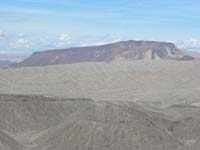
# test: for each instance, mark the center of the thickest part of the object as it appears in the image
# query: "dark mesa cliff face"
(121, 51)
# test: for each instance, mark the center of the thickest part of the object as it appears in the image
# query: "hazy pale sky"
(33, 25)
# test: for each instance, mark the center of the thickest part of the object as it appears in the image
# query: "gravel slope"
(40, 123)
(159, 83)
(142, 105)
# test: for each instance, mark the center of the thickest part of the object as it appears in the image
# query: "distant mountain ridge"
(120, 51)
(195, 54)
(10, 59)
(6, 63)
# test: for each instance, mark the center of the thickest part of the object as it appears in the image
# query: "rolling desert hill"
(41, 123)
(131, 105)
(120, 51)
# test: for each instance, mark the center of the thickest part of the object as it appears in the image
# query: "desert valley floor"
(141, 105)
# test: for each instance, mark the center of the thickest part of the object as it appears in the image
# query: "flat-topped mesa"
(120, 51)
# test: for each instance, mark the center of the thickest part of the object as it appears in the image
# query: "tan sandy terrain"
(157, 82)
(142, 105)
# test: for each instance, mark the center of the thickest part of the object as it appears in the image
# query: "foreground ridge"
(84, 125)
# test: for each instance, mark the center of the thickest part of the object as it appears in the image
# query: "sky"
(35, 25)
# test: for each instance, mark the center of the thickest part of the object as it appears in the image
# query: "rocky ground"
(40, 123)
(161, 83)
(149, 105)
